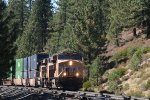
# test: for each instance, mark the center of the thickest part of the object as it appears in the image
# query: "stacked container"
(19, 68)
(34, 66)
(18, 72)
(25, 68)
(25, 72)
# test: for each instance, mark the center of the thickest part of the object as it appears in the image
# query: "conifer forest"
(50, 26)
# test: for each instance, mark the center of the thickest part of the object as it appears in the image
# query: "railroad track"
(30, 93)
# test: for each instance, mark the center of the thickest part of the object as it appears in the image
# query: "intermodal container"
(29, 62)
(25, 64)
(33, 74)
(18, 75)
(25, 74)
(19, 65)
(35, 60)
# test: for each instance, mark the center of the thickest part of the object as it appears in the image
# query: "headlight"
(77, 74)
(64, 74)
(70, 63)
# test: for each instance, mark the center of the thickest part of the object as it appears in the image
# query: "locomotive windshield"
(71, 71)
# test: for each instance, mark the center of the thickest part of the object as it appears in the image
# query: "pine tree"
(7, 50)
(89, 28)
(96, 69)
(80, 25)
(143, 15)
(61, 35)
(36, 32)
(19, 12)
(124, 14)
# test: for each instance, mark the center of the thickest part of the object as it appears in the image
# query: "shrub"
(130, 52)
(117, 73)
(124, 53)
(147, 85)
(96, 69)
(146, 50)
(120, 55)
(87, 84)
(112, 86)
(136, 59)
(113, 78)
(134, 54)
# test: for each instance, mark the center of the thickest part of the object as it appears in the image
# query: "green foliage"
(124, 53)
(116, 74)
(119, 55)
(136, 59)
(87, 84)
(89, 27)
(63, 24)
(147, 85)
(7, 38)
(123, 14)
(131, 51)
(19, 13)
(146, 49)
(35, 36)
(145, 18)
(112, 86)
(80, 25)
(113, 78)
(133, 54)
(96, 70)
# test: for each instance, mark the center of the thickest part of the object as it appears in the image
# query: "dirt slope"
(133, 82)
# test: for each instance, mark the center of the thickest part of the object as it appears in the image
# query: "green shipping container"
(18, 75)
(19, 65)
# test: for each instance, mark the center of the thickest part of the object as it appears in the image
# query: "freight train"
(63, 70)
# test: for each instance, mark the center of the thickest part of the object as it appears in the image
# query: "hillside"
(129, 65)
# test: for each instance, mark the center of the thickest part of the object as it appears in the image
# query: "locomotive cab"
(73, 70)
(69, 70)
(71, 74)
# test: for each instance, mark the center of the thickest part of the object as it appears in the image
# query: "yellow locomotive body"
(63, 72)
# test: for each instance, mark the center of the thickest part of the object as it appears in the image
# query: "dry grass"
(146, 76)
(126, 87)
(147, 94)
(138, 75)
(134, 84)
(137, 84)
(137, 93)
(146, 73)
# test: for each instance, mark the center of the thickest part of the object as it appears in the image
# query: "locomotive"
(63, 70)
